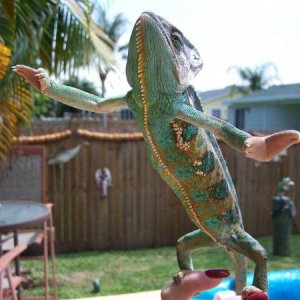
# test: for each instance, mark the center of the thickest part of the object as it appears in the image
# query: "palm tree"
(254, 79)
(57, 34)
(114, 28)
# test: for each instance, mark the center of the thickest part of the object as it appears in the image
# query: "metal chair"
(8, 282)
(43, 236)
(39, 236)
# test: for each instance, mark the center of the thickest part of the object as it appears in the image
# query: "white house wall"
(269, 118)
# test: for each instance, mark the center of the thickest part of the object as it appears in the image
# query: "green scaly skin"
(179, 138)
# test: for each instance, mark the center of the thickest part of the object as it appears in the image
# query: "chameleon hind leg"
(240, 265)
(243, 243)
(186, 245)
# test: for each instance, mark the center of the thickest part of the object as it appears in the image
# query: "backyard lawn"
(139, 270)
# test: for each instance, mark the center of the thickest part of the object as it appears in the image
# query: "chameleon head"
(159, 50)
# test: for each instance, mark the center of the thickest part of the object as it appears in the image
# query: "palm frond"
(236, 90)
(101, 42)
(117, 27)
(254, 79)
(58, 34)
(15, 110)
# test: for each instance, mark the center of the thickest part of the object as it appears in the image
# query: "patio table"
(20, 214)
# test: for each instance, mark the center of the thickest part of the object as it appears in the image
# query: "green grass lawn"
(140, 270)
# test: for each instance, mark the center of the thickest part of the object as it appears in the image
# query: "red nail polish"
(217, 273)
(257, 296)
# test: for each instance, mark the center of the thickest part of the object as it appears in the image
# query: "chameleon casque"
(180, 141)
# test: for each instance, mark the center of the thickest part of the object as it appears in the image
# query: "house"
(275, 108)
(213, 102)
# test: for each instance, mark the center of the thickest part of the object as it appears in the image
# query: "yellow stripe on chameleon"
(141, 64)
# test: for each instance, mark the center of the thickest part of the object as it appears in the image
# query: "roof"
(289, 93)
(215, 94)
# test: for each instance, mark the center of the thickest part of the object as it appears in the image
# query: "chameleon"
(181, 142)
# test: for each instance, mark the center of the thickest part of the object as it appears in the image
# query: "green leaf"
(57, 34)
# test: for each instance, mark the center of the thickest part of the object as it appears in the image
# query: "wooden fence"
(140, 210)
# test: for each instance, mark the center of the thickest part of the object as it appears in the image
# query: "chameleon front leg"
(259, 148)
(39, 78)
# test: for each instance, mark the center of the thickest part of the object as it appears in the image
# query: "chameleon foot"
(264, 148)
(253, 293)
(39, 78)
(177, 278)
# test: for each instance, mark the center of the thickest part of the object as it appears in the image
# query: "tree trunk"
(103, 76)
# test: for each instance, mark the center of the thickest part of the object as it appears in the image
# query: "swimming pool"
(283, 285)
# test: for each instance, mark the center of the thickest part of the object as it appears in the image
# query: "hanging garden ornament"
(103, 180)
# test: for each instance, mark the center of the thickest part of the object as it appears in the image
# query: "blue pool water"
(283, 285)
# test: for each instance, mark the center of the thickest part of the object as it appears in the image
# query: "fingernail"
(257, 296)
(217, 273)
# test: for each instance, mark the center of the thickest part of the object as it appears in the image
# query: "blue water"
(283, 285)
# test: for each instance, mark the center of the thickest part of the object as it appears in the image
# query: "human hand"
(192, 283)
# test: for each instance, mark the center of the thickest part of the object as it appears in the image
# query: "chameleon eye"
(176, 40)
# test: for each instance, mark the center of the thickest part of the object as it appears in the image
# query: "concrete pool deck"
(151, 295)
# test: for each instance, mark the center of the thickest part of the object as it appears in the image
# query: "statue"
(283, 213)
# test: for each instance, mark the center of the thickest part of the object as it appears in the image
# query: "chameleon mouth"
(159, 24)
(163, 30)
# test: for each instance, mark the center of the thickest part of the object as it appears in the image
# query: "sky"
(227, 33)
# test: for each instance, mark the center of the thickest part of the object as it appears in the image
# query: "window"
(126, 114)
(240, 118)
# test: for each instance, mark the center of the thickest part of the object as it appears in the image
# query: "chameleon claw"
(177, 278)
(15, 69)
(39, 75)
